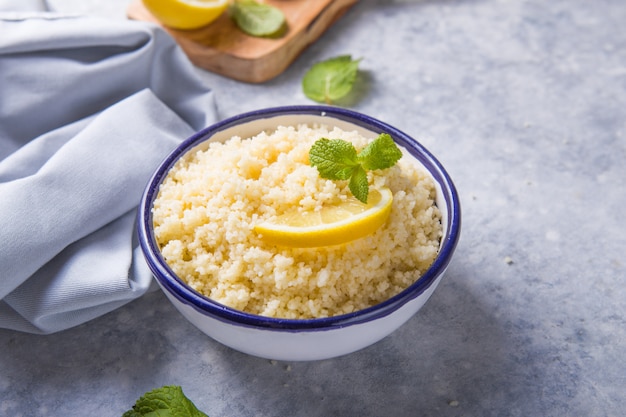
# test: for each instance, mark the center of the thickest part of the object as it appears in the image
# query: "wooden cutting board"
(223, 48)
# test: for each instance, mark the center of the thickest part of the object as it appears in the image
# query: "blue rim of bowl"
(179, 289)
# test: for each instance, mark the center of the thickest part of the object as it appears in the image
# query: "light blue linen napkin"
(88, 109)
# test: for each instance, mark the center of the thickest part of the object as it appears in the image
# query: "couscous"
(210, 201)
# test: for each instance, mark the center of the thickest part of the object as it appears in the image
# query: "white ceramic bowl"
(309, 339)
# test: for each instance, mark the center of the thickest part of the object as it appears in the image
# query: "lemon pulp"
(186, 14)
(332, 225)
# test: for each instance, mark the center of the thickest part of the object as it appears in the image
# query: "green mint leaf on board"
(337, 159)
(167, 401)
(258, 19)
(330, 80)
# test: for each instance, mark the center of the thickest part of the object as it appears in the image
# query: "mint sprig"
(328, 81)
(337, 159)
(167, 401)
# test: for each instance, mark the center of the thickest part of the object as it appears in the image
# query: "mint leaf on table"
(167, 401)
(258, 19)
(337, 159)
(330, 80)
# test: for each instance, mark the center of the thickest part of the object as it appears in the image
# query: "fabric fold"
(89, 108)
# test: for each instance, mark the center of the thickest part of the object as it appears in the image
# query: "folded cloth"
(23, 5)
(88, 109)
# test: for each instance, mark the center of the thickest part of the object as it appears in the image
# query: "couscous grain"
(208, 204)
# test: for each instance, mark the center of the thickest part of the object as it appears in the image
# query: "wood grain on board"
(221, 47)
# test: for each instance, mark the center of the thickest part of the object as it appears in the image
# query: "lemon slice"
(186, 14)
(332, 225)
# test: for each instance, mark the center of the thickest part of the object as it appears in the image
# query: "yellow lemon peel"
(332, 225)
(186, 14)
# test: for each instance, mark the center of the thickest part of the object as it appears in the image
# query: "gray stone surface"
(524, 102)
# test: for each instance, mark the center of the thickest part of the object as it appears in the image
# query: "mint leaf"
(167, 401)
(382, 153)
(358, 185)
(336, 159)
(330, 80)
(258, 19)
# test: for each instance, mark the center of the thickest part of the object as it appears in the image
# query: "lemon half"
(332, 225)
(186, 14)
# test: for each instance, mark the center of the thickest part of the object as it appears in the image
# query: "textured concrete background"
(524, 102)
